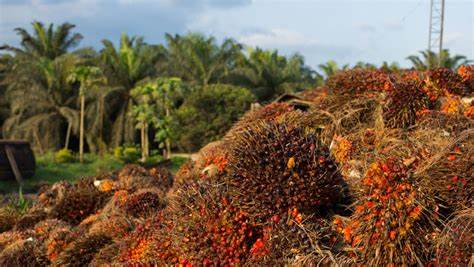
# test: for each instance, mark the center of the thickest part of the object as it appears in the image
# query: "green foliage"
(208, 113)
(64, 156)
(430, 60)
(127, 154)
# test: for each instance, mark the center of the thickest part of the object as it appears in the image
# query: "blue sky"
(343, 30)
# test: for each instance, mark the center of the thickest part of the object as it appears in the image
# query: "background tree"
(330, 67)
(200, 60)
(126, 67)
(208, 113)
(431, 60)
(45, 42)
(269, 74)
(88, 77)
(41, 101)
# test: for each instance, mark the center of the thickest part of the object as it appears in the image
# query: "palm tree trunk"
(168, 141)
(142, 141)
(81, 130)
(68, 135)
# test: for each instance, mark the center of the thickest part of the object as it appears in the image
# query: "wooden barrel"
(23, 156)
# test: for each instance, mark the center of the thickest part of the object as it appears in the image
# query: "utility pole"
(435, 38)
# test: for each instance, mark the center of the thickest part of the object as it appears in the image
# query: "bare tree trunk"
(68, 136)
(142, 141)
(81, 130)
(168, 141)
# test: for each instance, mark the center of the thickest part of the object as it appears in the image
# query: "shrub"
(127, 154)
(64, 156)
(208, 113)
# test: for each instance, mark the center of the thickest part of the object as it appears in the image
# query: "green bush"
(64, 156)
(127, 154)
(208, 113)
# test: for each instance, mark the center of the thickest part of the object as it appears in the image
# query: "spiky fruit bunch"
(8, 218)
(455, 245)
(405, 103)
(82, 250)
(57, 241)
(32, 217)
(211, 228)
(387, 226)
(469, 112)
(293, 234)
(134, 177)
(341, 149)
(359, 81)
(79, 203)
(149, 244)
(440, 82)
(451, 105)
(467, 74)
(24, 252)
(114, 226)
(267, 113)
(144, 203)
(106, 255)
(10, 237)
(449, 177)
(316, 94)
(453, 124)
(275, 165)
(44, 228)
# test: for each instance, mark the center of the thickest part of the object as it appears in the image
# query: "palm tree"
(41, 100)
(88, 77)
(331, 67)
(198, 59)
(48, 42)
(126, 67)
(430, 60)
(269, 74)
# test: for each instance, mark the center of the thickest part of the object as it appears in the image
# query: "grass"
(49, 172)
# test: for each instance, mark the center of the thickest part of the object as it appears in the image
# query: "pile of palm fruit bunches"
(376, 171)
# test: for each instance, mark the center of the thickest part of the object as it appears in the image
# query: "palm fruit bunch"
(451, 104)
(148, 244)
(441, 81)
(449, 176)
(388, 226)
(8, 218)
(211, 228)
(10, 237)
(452, 124)
(267, 112)
(359, 81)
(133, 177)
(30, 218)
(210, 162)
(114, 226)
(316, 94)
(405, 103)
(144, 203)
(467, 74)
(82, 250)
(45, 228)
(23, 252)
(292, 235)
(455, 245)
(57, 241)
(275, 165)
(81, 201)
(106, 255)
(341, 149)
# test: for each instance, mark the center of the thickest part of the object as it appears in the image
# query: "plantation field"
(49, 172)
(374, 168)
